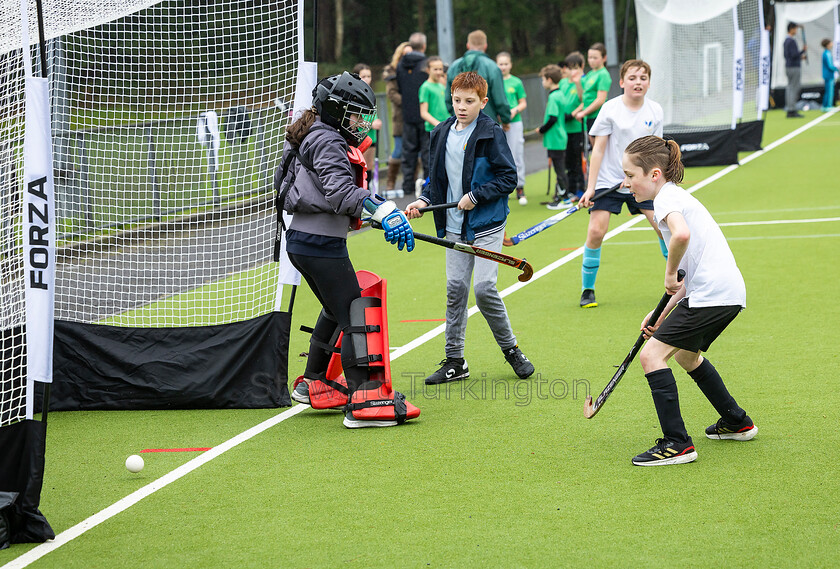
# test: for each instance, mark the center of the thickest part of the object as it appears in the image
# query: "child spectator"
(364, 72)
(621, 121)
(432, 106)
(702, 306)
(554, 132)
(596, 85)
(515, 91)
(471, 164)
(828, 72)
(572, 88)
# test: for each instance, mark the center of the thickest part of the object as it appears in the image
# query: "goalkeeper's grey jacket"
(324, 198)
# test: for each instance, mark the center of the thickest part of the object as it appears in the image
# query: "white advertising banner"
(38, 231)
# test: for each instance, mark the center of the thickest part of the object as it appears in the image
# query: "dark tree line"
(368, 30)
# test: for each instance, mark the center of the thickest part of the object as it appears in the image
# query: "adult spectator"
(475, 59)
(793, 70)
(411, 75)
(392, 90)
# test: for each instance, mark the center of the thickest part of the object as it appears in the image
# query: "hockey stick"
(501, 258)
(438, 206)
(589, 408)
(556, 218)
(804, 43)
(548, 179)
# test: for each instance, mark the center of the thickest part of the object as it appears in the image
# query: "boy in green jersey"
(596, 85)
(553, 130)
(432, 105)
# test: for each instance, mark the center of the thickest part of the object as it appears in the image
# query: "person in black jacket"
(411, 75)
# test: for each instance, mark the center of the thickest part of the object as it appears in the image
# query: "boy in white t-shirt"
(702, 306)
(620, 121)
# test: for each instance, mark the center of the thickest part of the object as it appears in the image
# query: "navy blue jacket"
(792, 53)
(488, 177)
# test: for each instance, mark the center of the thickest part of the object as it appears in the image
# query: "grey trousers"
(794, 86)
(459, 269)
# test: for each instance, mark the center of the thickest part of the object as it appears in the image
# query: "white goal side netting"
(167, 124)
(691, 47)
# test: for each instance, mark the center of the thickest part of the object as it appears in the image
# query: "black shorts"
(613, 201)
(694, 329)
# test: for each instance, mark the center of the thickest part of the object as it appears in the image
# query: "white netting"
(167, 125)
(690, 47)
(817, 19)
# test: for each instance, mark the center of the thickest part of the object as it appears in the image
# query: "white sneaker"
(352, 423)
(301, 393)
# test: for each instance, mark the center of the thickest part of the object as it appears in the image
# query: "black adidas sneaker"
(451, 369)
(743, 431)
(667, 452)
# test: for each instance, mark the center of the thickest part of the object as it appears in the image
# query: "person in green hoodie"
(475, 59)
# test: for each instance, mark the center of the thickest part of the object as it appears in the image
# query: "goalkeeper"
(322, 182)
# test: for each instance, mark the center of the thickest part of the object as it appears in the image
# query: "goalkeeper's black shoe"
(451, 369)
(667, 452)
(743, 431)
(587, 299)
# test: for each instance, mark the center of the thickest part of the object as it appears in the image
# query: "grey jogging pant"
(459, 269)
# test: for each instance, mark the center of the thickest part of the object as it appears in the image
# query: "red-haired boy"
(471, 164)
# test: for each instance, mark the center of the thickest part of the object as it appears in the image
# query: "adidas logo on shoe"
(666, 452)
(722, 430)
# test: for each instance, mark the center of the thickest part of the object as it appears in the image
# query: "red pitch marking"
(427, 320)
(175, 449)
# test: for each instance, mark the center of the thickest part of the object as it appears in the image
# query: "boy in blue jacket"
(471, 164)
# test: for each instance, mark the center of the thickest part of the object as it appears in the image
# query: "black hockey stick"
(438, 206)
(590, 408)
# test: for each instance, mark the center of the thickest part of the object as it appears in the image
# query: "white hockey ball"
(523, 201)
(134, 463)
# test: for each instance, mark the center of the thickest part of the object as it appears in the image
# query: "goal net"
(167, 123)
(705, 60)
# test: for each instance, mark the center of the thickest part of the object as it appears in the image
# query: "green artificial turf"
(500, 472)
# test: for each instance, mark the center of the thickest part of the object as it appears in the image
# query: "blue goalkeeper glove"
(393, 221)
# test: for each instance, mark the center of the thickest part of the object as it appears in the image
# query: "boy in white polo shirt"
(620, 121)
(702, 306)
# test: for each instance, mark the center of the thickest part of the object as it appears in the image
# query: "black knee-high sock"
(711, 384)
(663, 388)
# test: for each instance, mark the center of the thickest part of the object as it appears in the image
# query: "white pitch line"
(751, 238)
(72, 533)
(96, 519)
(766, 222)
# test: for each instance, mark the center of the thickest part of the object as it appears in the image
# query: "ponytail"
(297, 131)
(651, 152)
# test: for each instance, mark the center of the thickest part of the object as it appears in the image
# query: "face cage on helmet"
(359, 127)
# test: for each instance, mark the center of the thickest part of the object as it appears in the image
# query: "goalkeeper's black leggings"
(334, 283)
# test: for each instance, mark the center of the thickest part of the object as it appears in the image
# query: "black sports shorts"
(694, 329)
(613, 201)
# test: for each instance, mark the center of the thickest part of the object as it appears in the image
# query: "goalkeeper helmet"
(347, 103)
